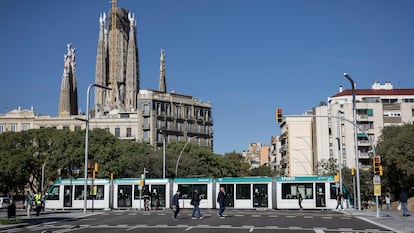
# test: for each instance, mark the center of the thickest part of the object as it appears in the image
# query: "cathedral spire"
(132, 68)
(162, 87)
(68, 102)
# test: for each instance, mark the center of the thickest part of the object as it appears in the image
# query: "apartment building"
(327, 131)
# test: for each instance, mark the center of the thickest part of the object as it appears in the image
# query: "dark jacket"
(195, 199)
(403, 197)
(175, 199)
(220, 198)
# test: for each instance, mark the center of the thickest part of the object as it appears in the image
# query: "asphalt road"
(235, 222)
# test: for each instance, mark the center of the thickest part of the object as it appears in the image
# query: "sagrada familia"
(150, 114)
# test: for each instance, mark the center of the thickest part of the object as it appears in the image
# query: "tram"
(318, 192)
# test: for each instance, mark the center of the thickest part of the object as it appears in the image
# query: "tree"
(396, 148)
(328, 167)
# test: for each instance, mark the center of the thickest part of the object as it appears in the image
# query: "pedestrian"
(147, 199)
(157, 199)
(222, 201)
(29, 200)
(403, 201)
(339, 197)
(300, 199)
(388, 203)
(38, 203)
(176, 204)
(195, 201)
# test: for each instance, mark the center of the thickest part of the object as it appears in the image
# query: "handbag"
(399, 207)
(192, 202)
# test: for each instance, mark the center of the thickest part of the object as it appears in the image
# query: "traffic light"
(279, 115)
(353, 171)
(89, 170)
(95, 170)
(376, 165)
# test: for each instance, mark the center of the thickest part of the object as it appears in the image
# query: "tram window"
(289, 191)
(136, 191)
(243, 191)
(53, 193)
(99, 192)
(186, 190)
(332, 189)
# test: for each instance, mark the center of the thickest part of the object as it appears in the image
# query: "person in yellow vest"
(38, 202)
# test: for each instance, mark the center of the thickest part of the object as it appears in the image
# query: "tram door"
(259, 195)
(229, 194)
(320, 195)
(158, 195)
(67, 198)
(125, 196)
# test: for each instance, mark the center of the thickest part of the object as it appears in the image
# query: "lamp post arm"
(85, 185)
(178, 160)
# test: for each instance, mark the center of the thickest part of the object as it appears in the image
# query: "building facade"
(257, 154)
(327, 131)
(128, 112)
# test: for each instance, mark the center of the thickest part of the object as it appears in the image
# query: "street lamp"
(178, 159)
(43, 177)
(355, 140)
(339, 149)
(86, 141)
(163, 153)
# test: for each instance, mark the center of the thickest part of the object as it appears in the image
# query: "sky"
(247, 57)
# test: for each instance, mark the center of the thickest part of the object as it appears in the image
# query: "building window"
(117, 132)
(77, 128)
(25, 126)
(13, 128)
(1, 128)
(145, 136)
(146, 109)
(146, 123)
(129, 132)
(65, 128)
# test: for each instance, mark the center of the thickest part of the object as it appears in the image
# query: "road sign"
(376, 179)
(377, 190)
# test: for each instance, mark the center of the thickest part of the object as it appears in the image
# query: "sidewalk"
(44, 217)
(394, 221)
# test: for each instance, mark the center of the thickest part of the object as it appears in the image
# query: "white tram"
(241, 192)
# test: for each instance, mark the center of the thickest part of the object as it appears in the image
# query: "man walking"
(195, 200)
(221, 201)
(339, 197)
(176, 204)
(29, 199)
(38, 203)
(403, 201)
(300, 199)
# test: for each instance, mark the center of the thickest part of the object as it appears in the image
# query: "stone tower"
(68, 102)
(117, 63)
(162, 85)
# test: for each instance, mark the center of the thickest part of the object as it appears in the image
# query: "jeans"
(196, 208)
(404, 208)
(221, 210)
(177, 210)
